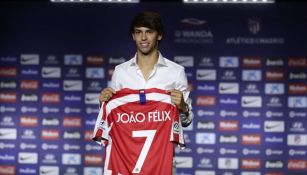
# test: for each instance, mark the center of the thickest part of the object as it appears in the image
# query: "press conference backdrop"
(246, 66)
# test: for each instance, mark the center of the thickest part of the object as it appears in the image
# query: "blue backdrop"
(246, 66)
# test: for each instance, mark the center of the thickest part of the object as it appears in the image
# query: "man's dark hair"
(151, 20)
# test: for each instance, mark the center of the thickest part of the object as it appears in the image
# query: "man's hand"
(106, 94)
(178, 100)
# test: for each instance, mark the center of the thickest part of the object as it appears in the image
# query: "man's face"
(146, 39)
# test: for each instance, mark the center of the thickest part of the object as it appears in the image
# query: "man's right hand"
(106, 94)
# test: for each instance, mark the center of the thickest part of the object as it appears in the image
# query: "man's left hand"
(178, 99)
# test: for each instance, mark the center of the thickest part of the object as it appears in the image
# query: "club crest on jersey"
(176, 127)
(155, 116)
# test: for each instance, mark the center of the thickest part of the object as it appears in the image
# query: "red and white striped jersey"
(138, 130)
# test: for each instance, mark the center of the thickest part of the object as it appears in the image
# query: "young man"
(149, 69)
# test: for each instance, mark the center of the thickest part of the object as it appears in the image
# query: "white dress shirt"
(165, 75)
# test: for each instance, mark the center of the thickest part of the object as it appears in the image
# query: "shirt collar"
(161, 60)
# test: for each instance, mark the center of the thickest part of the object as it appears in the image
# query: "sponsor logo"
(71, 159)
(46, 146)
(8, 84)
(7, 170)
(228, 88)
(29, 98)
(8, 59)
(274, 102)
(228, 163)
(7, 158)
(91, 98)
(49, 158)
(297, 139)
(183, 162)
(229, 62)
(73, 60)
(72, 85)
(274, 126)
(50, 134)
(251, 114)
(297, 76)
(250, 62)
(299, 89)
(206, 101)
(116, 60)
(27, 158)
(69, 147)
(72, 98)
(293, 114)
(228, 101)
(229, 75)
(51, 59)
(251, 75)
(201, 150)
(93, 159)
(51, 98)
(49, 170)
(72, 73)
(72, 135)
(274, 164)
(50, 121)
(26, 109)
(72, 122)
(228, 139)
(205, 163)
(250, 173)
(273, 139)
(297, 165)
(28, 121)
(28, 134)
(297, 62)
(29, 59)
(206, 61)
(226, 113)
(92, 171)
(251, 126)
(250, 164)
(224, 151)
(68, 110)
(229, 125)
(29, 84)
(89, 147)
(186, 61)
(247, 151)
(51, 85)
(251, 101)
(271, 114)
(274, 62)
(295, 152)
(205, 138)
(88, 135)
(204, 172)
(251, 139)
(51, 72)
(205, 74)
(297, 102)
(271, 152)
(209, 125)
(8, 134)
(94, 86)
(24, 146)
(94, 73)
(251, 88)
(29, 72)
(297, 126)
(274, 75)
(7, 121)
(202, 113)
(94, 60)
(8, 97)
(205, 87)
(274, 88)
